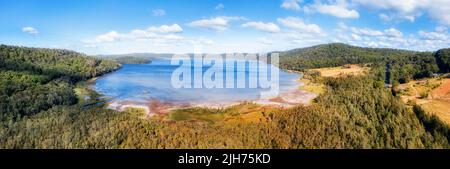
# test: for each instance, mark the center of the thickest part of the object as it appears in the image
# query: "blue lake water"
(144, 82)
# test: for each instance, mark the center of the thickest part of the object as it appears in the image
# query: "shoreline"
(288, 98)
(292, 97)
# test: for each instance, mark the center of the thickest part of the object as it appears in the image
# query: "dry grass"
(419, 89)
(310, 86)
(342, 70)
(238, 114)
(432, 94)
(440, 108)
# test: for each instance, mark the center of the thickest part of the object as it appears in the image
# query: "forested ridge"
(335, 54)
(128, 59)
(404, 65)
(36, 79)
(353, 112)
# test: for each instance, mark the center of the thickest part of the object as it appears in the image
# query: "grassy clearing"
(312, 86)
(432, 94)
(342, 70)
(440, 108)
(241, 113)
(197, 114)
(419, 89)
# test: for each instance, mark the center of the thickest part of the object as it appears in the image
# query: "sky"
(219, 26)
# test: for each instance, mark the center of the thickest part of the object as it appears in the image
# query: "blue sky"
(216, 26)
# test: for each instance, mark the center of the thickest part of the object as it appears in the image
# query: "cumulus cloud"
(433, 40)
(356, 37)
(266, 27)
(366, 31)
(291, 5)
(219, 6)
(163, 32)
(220, 23)
(393, 38)
(435, 35)
(410, 9)
(392, 32)
(175, 28)
(338, 9)
(159, 12)
(297, 24)
(30, 30)
(300, 33)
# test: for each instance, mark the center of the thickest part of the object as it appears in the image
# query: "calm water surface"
(144, 82)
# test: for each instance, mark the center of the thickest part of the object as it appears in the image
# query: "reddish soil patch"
(443, 91)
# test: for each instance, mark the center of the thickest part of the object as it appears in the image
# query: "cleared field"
(439, 103)
(419, 90)
(241, 113)
(440, 108)
(342, 70)
(433, 94)
(310, 86)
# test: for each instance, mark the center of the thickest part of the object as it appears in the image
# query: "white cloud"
(394, 17)
(392, 32)
(266, 27)
(392, 38)
(356, 37)
(219, 23)
(366, 32)
(163, 32)
(338, 9)
(297, 24)
(175, 28)
(291, 5)
(159, 12)
(219, 6)
(108, 37)
(30, 30)
(300, 33)
(435, 35)
(410, 9)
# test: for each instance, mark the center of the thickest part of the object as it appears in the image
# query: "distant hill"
(53, 62)
(404, 65)
(36, 79)
(335, 54)
(136, 58)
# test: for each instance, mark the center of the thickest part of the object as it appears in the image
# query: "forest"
(127, 59)
(41, 111)
(36, 79)
(404, 65)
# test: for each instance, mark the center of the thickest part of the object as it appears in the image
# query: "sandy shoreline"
(289, 98)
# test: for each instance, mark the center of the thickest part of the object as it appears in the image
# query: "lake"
(140, 83)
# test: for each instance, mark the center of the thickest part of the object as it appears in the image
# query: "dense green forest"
(36, 79)
(443, 59)
(335, 54)
(355, 112)
(40, 109)
(127, 59)
(404, 65)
